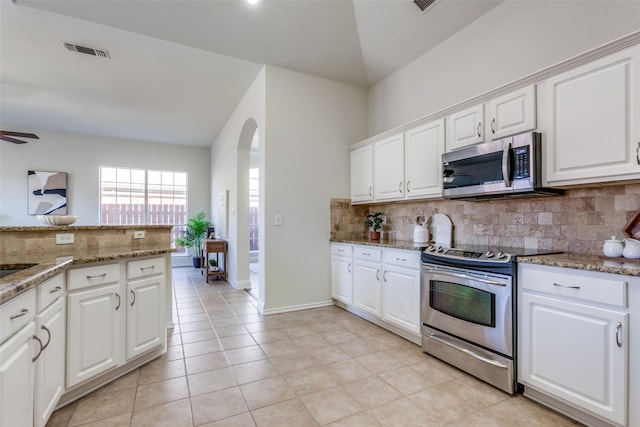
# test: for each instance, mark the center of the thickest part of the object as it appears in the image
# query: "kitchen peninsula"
(79, 307)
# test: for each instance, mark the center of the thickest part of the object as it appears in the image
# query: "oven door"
(475, 307)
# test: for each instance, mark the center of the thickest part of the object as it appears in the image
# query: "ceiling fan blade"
(9, 139)
(18, 134)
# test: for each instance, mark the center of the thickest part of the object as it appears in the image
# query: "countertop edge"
(15, 284)
(585, 262)
(391, 244)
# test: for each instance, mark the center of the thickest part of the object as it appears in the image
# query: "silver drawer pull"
(133, 294)
(566, 287)
(401, 259)
(618, 330)
(95, 276)
(147, 268)
(22, 313)
(56, 289)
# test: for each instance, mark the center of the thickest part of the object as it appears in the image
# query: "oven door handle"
(466, 276)
(443, 340)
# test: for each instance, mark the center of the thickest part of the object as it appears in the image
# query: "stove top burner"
(482, 253)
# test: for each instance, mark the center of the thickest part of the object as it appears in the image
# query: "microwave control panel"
(522, 161)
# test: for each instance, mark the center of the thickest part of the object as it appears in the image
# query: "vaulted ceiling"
(178, 68)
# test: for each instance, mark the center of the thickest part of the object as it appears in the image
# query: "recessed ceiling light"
(253, 1)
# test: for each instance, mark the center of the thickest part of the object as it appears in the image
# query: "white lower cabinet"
(50, 365)
(115, 312)
(17, 351)
(341, 271)
(367, 270)
(573, 343)
(401, 289)
(95, 331)
(386, 286)
(16, 378)
(145, 314)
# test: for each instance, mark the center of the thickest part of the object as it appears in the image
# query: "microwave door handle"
(506, 165)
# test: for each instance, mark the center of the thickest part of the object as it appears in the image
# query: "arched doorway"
(248, 207)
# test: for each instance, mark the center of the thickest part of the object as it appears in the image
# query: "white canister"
(613, 248)
(631, 249)
(420, 234)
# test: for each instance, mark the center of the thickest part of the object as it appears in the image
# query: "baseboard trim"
(296, 307)
(241, 284)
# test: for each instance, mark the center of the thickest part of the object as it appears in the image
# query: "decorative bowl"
(57, 219)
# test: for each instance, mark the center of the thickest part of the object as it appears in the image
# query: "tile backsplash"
(578, 221)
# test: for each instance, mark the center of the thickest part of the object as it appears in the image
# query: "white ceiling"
(178, 68)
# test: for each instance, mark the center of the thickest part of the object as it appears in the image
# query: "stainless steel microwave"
(501, 168)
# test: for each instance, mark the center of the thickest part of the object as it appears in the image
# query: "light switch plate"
(64, 238)
(277, 219)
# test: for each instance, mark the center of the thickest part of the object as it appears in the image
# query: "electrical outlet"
(139, 234)
(277, 220)
(384, 220)
(64, 238)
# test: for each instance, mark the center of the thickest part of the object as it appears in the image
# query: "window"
(139, 196)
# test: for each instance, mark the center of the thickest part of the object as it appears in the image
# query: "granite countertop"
(36, 268)
(72, 227)
(586, 262)
(384, 243)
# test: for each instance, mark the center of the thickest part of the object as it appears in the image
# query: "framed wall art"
(47, 193)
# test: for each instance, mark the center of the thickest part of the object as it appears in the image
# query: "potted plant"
(374, 222)
(193, 235)
(214, 264)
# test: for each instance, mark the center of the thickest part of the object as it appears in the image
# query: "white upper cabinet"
(423, 148)
(505, 115)
(512, 113)
(362, 174)
(465, 127)
(388, 168)
(592, 126)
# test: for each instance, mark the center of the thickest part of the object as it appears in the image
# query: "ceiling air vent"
(102, 53)
(424, 4)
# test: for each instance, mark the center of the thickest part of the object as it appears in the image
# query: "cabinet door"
(575, 352)
(366, 286)
(592, 119)
(50, 365)
(465, 127)
(388, 168)
(512, 113)
(145, 317)
(401, 297)
(95, 331)
(362, 174)
(16, 378)
(424, 146)
(341, 286)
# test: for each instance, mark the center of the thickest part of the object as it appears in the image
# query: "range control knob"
(440, 249)
(502, 255)
(489, 254)
(431, 248)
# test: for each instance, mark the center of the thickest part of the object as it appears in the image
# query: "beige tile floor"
(226, 365)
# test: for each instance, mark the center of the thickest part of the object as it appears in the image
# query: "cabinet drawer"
(49, 291)
(86, 277)
(368, 253)
(17, 313)
(145, 267)
(583, 285)
(409, 259)
(342, 250)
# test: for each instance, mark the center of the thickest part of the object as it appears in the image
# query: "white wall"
(224, 169)
(513, 40)
(310, 122)
(305, 125)
(80, 156)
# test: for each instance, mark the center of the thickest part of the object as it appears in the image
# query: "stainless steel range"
(468, 310)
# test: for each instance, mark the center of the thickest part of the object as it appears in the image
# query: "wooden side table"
(217, 247)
